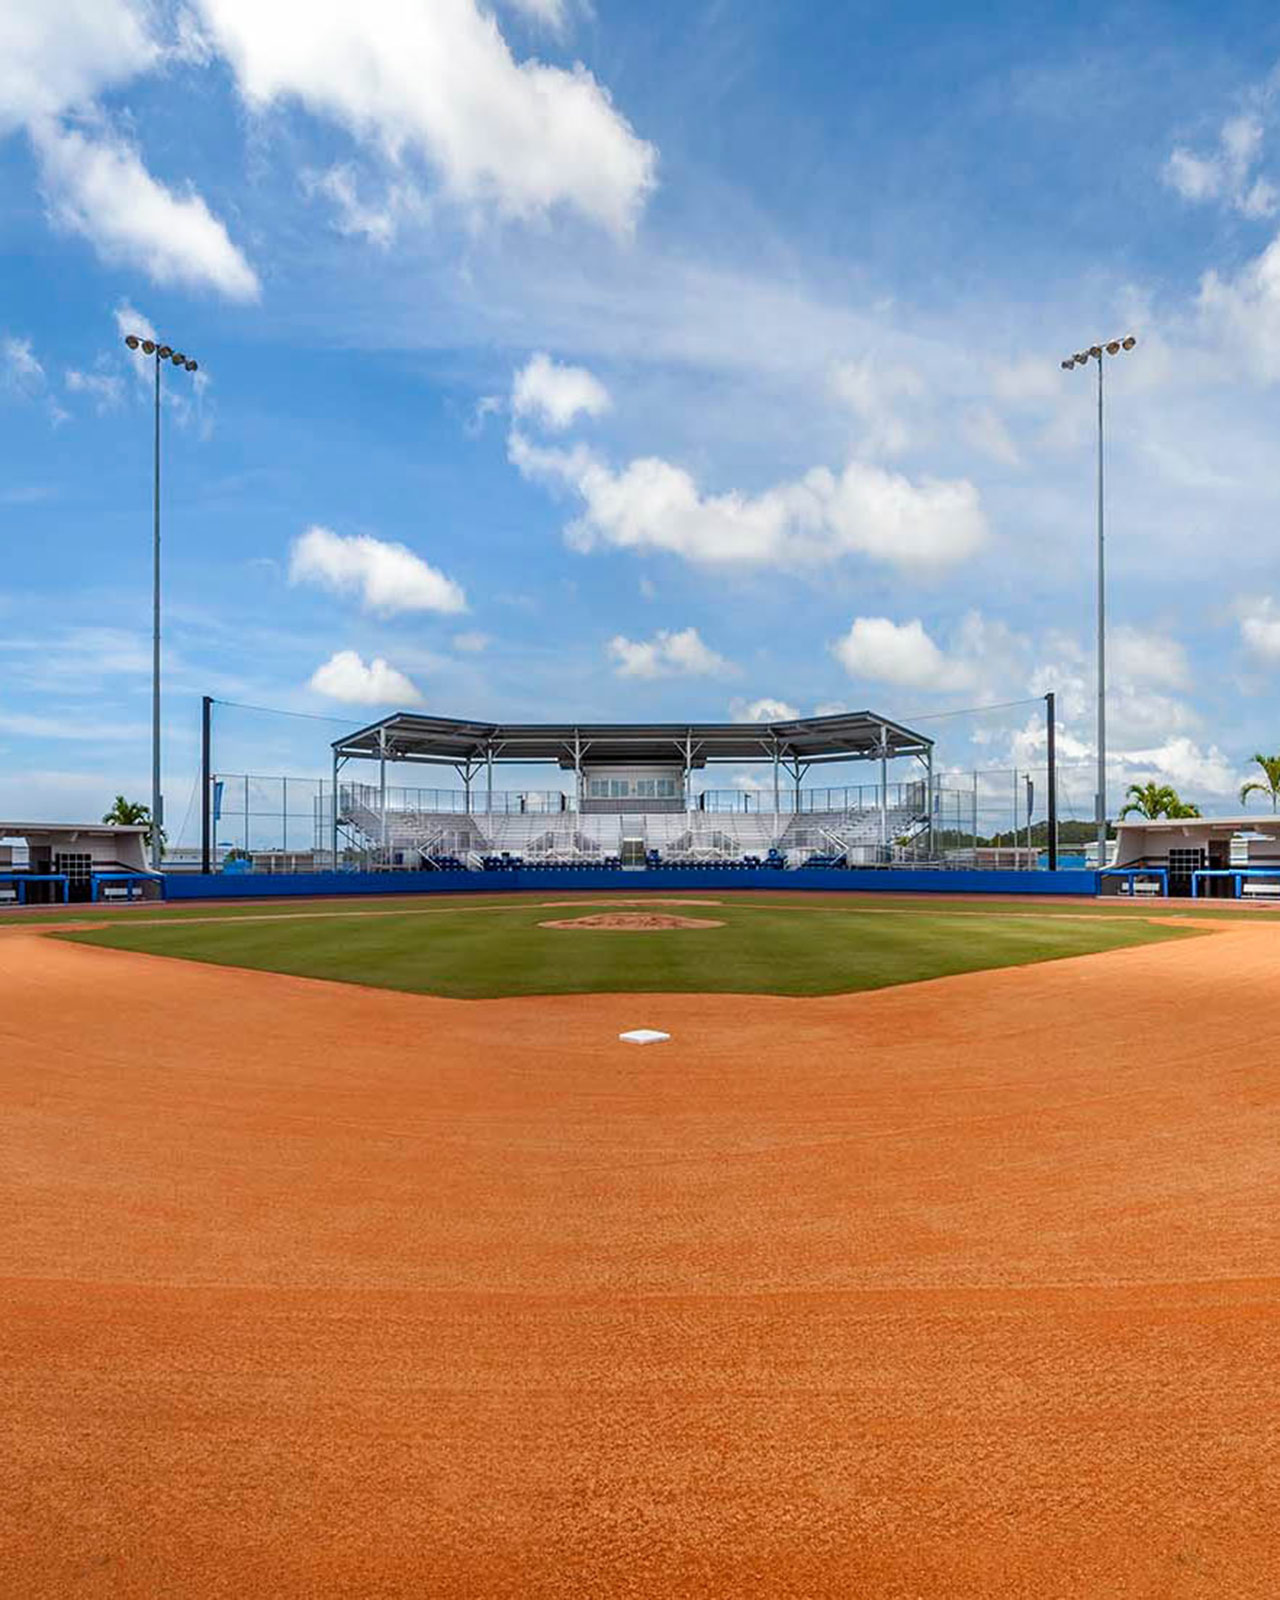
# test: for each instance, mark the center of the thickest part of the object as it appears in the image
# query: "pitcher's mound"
(632, 922)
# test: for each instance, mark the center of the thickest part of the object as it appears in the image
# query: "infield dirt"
(963, 1289)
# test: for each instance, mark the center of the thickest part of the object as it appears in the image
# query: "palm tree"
(1152, 800)
(1270, 784)
(128, 813)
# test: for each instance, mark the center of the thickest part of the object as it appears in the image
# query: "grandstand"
(633, 798)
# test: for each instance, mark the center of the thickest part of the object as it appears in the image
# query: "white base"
(643, 1036)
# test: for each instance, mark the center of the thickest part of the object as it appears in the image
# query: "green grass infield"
(481, 951)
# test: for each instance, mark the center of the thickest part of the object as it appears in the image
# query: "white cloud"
(68, 796)
(989, 663)
(1260, 627)
(1193, 177)
(106, 389)
(1025, 382)
(550, 13)
(1181, 762)
(20, 368)
(1141, 663)
(472, 644)
(69, 658)
(1141, 657)
(60, 53)
(1226, 174)
(388, 577)
(556, 395)
(987, 433)
(346, 677)
(763, 710)
(22, 374)
(67, 725)
(895, 652)
(871, 389)
(438, 83)
(652, 505)
(667, 655)
(100, 189)
(376, 222)
(129, 321)
(354, 217)
(185, 395)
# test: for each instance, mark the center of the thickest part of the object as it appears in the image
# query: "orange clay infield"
(964, 1289)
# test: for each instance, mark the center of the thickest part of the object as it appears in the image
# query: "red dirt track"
(959, 1291)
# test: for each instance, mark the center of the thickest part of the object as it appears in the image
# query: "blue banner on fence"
(217, 799)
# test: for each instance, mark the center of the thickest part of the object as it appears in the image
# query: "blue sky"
(601, 360)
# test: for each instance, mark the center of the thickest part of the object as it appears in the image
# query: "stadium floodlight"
(161, 352)
(1096, 353)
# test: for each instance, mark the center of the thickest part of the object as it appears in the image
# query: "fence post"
(1050, 711)
(206, 782)
(334, 818)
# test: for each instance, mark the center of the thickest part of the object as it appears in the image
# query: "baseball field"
(349, 1252)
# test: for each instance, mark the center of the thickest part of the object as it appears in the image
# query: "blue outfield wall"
(887, 880)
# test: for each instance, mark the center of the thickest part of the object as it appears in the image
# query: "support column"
(284, 816)
(777, 797)
(488, 798)
(382, 791)
(928, 798)
(884, 789)
(975, 818)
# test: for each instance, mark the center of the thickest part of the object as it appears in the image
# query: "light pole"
(1096, 353)
(160, 353)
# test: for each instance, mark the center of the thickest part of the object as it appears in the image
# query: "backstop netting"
(276, 805)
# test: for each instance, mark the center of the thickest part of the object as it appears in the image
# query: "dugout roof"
(849, 736)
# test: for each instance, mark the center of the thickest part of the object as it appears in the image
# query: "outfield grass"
(478, 952)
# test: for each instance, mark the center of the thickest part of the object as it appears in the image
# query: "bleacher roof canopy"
(849, 736)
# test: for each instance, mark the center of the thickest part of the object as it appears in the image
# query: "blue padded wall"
(887, 880)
